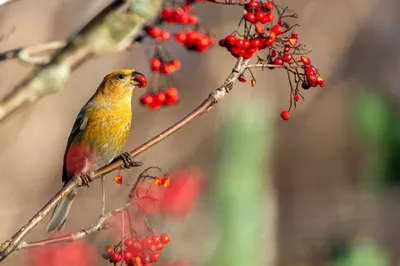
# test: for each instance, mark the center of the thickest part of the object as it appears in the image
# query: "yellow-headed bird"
(99, 133)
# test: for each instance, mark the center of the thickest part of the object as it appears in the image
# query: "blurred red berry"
(164, 238)
(155, 256)
(156, 239)
(128, 242)
(147, 242)
(116, 257)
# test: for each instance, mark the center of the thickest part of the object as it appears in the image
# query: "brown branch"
(99, 225)
(230, 2)
(112, 29)
(260, 65)
(12, 243)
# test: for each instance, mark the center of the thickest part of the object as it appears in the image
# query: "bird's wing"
(77, 129)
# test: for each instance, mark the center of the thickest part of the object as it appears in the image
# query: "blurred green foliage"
(379, 127)
(364, 253)
(239, 184)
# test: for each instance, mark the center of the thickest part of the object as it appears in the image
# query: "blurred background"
(320, 189)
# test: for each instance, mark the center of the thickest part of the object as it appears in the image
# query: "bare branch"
(230, 2)
(11, 244)
(99, 225)
(112, 29)
(27, 54)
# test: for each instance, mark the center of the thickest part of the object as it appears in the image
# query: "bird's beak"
(138, 79)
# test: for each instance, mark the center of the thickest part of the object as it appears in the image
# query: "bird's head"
(120, 84)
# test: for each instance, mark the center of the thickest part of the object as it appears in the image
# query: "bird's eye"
(121, 76)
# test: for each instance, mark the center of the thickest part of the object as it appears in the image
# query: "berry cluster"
(137, 251)
(162, 64)
(195, 41)
(266, 29)
(156, 100)
(167, 68)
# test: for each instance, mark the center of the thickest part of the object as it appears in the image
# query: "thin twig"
(99, 225)
(230, 2)
(27, 54)
(13, 242)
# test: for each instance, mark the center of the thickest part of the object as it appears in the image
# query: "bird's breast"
(106, 132)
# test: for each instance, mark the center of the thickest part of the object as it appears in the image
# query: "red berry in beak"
(140, 79)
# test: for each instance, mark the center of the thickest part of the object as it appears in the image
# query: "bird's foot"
(86, 179)
(128, 162)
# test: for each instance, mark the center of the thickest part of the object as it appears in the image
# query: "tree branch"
(13, 243)
(99, 225)
(26, 54)
(112, 29)
(230, 2)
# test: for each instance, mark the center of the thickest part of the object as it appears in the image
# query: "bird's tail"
(60, 213)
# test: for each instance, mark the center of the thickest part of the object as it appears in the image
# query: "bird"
(98, 135)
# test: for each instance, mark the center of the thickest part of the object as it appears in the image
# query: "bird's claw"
(128, 162)
(86, 179)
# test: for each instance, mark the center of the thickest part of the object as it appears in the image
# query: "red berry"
(260, 28)
(165, 238)
(285, 115)
(253, 5)
(260, 16)
(140, 254)
(160, 97)
(165, 36)
(287, 57)
(242, 78)
(128, 242)
(222, 42)
(230, 39)
(155, 64)
(277, 29)
(305, 60)
(160, 246)
(155, 256)
(250, 17)
(192, 19)
(166, 13)
(269, 16)
(320, 81)
(172, 96)
(273, 53)
(108, 252)
(128, 255)
(278, 61)
(156, 239)
(269, 5)
(296, 97)
(148, 99)
(147, 242)
(146, 259)
(176, 63)
(155, 32)
(269, 41)
(180, 37)
(116, 257)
